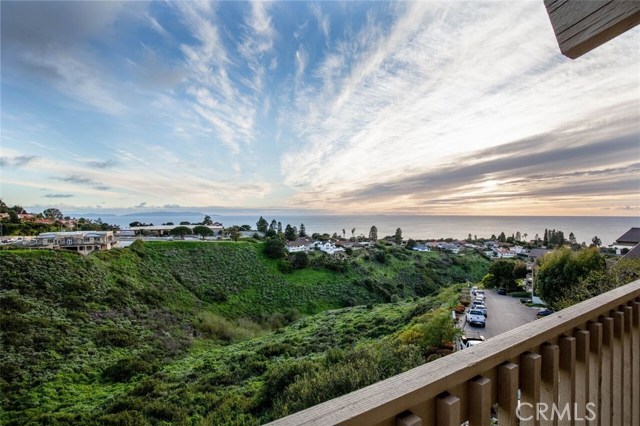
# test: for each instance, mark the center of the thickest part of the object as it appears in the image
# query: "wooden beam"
(582, 25)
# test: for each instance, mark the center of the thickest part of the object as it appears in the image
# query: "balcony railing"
(576, 367)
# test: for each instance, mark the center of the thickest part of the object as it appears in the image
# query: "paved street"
(505, 313)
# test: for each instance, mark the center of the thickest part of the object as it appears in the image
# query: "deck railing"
(579, 366)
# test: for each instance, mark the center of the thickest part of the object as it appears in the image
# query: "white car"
(476, 317)
(469, 341)
(481, 308)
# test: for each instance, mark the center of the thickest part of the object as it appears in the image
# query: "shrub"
(274, 248)
(114, 336)
(125, 369)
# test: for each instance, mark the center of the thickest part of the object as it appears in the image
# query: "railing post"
(618, 362)
(582, 376)
(595, 370)
(567, 386)
(635, 363)
(549, 387)
(408, 419)
(448, 410)
(606, 384)
(507, 394)
(530, 388)
(627, 375)
(479, 402)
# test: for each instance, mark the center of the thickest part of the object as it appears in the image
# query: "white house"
(421, 247)
(328, 247)
(301, 244)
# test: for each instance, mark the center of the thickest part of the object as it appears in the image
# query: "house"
(421, 247)
(166, 229)
(328, 247)
(83, 242)
(301, 244)
(535, 253)
(631, 238)
(504, 253)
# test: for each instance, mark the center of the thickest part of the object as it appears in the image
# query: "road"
(504, 313)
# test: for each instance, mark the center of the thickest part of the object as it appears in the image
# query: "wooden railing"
(578, 366)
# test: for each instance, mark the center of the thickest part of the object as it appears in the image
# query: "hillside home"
(301, 244)
(83, 242)
(421, 247)
(328, 247)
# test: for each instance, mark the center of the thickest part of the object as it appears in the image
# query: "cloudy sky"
(349, 107)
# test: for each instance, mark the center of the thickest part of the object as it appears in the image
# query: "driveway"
(504, 313)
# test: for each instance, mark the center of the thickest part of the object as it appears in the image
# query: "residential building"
(83, 242)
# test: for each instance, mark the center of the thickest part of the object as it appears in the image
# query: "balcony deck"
(588, 353)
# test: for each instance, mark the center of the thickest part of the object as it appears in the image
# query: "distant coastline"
(607, 228)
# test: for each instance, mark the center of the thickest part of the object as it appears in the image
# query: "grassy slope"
(82, 335)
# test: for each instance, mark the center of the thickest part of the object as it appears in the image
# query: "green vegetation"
(212, 333)
(566, 277)
(504, 273)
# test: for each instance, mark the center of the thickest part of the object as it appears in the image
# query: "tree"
(274, 225)
(596, 242)
(344, 233)
(279, 228)
(289, 233)
(245, 228)
(185, 222)
(203, 231)
(411, 244)
(519, 270)
(561, 272)
(373, 234)
(572, 239)
(234, 233)
(502, 238)
(132, 224)
(262, 225)
(274, 248)
(300, 260)
(518, 236)
(180, 231)
(53, 214)
(502, 272)
(353, 233)
(397, 238)
(303, 231)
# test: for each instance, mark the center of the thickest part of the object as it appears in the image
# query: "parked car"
(476, 317)
(469, 340)
(478, 300)
(543, 312)
(482, 308)
(502, 291)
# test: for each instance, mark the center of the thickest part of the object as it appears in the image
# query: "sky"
(338, 107)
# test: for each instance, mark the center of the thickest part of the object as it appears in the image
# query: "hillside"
(119, 336)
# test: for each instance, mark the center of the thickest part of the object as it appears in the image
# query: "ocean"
(607, 228)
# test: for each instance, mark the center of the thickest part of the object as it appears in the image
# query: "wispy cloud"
(58, 195)
(399, 109)
(107, 164)
(17, 161)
